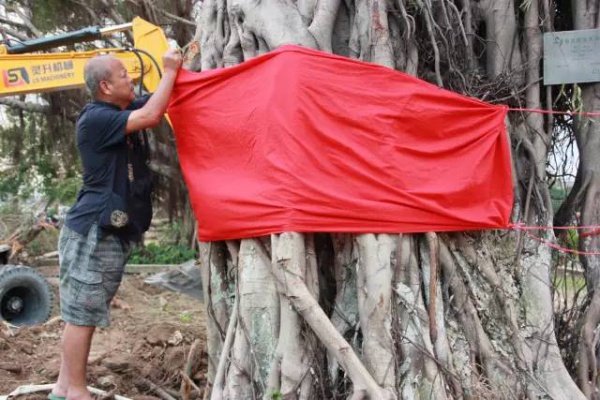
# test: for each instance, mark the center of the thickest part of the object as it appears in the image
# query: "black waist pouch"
(139, 204)
(114, 216)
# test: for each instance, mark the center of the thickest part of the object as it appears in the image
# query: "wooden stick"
(187, 372)
(191, 383)
(158, 390)
(10, 367)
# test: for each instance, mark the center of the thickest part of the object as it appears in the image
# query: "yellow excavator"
(25, 69)
(25, 296)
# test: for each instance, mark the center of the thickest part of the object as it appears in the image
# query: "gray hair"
(96, 70)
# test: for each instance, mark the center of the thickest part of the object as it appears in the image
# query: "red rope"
(563, 249)
(539, 111)
(595, 232)
(522, 227)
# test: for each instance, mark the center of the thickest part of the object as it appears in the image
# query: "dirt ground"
(147, 346)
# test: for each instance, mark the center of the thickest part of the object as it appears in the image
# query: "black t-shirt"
(103, 148)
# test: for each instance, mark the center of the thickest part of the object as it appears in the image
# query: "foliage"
(572, 239)
(558, 194)
(45, 13)
(12, 182)
(64, 191)
(171, 233)
(24, 182)
(161, 254)
(34, 162)
(44, 243)
(14, 215)
(570, 284)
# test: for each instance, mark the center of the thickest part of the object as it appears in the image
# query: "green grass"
(161, 254)
(569, 283)
(569, 288)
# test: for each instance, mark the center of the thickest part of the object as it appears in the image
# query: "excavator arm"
(24, 69)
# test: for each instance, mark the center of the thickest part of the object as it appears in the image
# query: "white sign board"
(572, 57)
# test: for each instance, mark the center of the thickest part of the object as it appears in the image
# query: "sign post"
(572, 57)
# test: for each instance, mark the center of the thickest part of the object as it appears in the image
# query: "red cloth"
(305, 141)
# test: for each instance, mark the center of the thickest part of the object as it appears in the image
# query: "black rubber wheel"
(25, 296)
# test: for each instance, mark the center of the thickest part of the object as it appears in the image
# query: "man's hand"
(172, 60)
(151, 113)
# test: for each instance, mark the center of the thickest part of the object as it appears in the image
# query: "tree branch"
(111, 8)
(429, 22)
(26, 21)
(89, 9)
(176, 18)
(165, 13)
(322, 25)
(12, 23)
(25, 106)
(13, 33)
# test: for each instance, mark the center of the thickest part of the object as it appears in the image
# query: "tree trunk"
(411, 316)
(586, 200)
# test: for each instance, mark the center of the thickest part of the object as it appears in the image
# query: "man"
(112, 209)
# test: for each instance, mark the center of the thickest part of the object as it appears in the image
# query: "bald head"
(99, 69)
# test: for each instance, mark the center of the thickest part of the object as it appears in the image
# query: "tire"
(25, 296)
(4, 252)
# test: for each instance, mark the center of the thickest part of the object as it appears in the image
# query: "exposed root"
(494, 367)
(374, 280)
(219, 382)
(587, 369)
(289, 256)
(345, 309)
(420, 374)
(433, 277)
(216, 284)
(258, 322)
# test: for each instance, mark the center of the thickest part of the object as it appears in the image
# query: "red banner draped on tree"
(305, 141)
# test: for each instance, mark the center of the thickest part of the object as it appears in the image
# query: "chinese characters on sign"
(52, 71)
(572, 57)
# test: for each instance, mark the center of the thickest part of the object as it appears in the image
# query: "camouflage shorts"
(91, 270)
